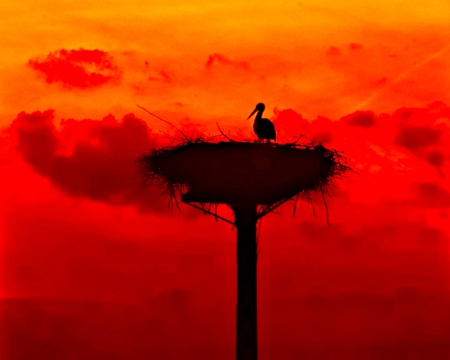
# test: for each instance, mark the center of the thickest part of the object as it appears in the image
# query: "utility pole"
(253, 179)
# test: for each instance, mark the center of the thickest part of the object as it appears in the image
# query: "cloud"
(422, 132)
(436, 158)
(36, 135)
(52, 328)
(363, 119)
(94, 159)
(223, 60)
(369, 281)
(333, 51)
(289, 124)
(355, 46)
(161, 75)
(431, 194)
(374, 282)
(414, 137)
(92, 274)
(345, 288)
(77, 68)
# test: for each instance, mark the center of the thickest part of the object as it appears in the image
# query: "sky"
(94, 266)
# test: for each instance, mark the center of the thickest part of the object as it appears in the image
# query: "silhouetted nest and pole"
(253, 178)
(198, 170)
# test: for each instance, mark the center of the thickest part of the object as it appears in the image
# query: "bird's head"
(259, 107)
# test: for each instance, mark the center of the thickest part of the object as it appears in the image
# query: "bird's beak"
(251, 114)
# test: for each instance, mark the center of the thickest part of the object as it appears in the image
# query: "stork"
(264, 128)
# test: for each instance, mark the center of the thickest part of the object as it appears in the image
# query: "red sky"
(95, 267)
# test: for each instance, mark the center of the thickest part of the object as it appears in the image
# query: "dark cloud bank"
(373, 286)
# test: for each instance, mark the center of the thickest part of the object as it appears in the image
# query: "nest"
(233, 172)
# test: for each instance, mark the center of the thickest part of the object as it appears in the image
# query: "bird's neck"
(259, 115)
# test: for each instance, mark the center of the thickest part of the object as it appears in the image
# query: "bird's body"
(264, 128)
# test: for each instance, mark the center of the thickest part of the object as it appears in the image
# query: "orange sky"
(82, 243)
(284, 44)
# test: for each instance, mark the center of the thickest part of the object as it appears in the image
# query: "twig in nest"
(223, 134)
(239, 131)
(173, 198)
(326, 206)
(297, 139)
(165, 121)
(295, 204)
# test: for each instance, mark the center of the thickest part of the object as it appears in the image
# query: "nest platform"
(236, 172)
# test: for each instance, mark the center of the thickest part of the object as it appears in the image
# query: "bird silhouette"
(264, 128)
